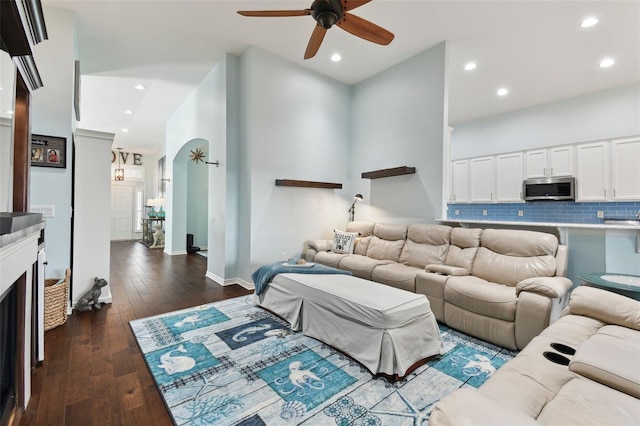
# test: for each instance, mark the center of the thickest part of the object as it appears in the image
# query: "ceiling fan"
(328, 13)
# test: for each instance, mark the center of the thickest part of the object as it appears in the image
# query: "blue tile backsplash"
(544, 211)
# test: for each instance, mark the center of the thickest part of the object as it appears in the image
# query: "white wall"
(203, 116)
(92, 212)
(607, 114)
(52, 115)
(399, 118)
(294, 124)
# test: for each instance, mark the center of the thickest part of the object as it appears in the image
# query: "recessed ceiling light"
(503, 91)
(589, 22)
(140, 87)
(128, 111)
(336, 57)
(606, 62)
(125, 130)
(470, 66)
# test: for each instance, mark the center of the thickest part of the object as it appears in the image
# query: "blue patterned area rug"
(233, 363)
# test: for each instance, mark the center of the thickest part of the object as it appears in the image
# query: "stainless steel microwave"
(549, 189)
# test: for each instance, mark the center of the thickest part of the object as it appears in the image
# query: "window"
(139, 210)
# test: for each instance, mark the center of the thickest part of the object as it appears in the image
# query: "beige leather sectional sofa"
(503, 286)
(599, 386)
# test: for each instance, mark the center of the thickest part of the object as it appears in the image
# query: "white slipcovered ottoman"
(386, 329)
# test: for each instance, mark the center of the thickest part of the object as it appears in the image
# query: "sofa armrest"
(605, 306)
(552, 287)
(320, 245)
(447, 270)
(472, 407)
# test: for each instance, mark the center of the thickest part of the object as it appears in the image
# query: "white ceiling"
(535, 48)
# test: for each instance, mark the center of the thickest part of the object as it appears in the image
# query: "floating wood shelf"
(396, 171)
(308, 184)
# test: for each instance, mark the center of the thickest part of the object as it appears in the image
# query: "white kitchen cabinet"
(592, 171)
(481, 179)
(459, 181)
(560, 161)
(557, 161)
(509, 177)
(535, 163)
(625, 169)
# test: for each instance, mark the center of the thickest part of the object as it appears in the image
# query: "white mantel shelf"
(542, 224)
(18, 254)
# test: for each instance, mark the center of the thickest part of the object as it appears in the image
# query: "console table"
(625, 284)
(148, 229)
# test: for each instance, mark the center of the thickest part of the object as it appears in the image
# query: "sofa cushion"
(329, 258)
(384, 249)
(468, 406)
(434, 235)
(461, 258)
(519, 243)
(529, 381)
(585, 402)
(390, 231)
(482, 297)
(466, 237)
(420, 255)
(510, 270)
(361, 266)
(463, 248)
(611, 357)
(361, 246)
(363, 228)
(606, 306)
(397, 275)
(508, 256)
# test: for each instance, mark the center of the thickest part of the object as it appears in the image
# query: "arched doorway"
(190, 195)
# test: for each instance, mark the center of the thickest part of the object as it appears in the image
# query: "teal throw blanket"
(264, 274)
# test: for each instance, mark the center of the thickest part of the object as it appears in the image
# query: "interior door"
(121, 213)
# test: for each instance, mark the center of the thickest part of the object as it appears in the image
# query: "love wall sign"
(133, 158)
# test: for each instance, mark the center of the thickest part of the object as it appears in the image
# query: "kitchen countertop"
(543, 224)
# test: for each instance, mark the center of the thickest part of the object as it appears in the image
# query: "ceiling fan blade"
(348, 5)
(365, 29)
(315, 41)
(274, 13)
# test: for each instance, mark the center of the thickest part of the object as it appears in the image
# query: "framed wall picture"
(48, 151)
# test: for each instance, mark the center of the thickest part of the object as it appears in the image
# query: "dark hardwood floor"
(94, 372)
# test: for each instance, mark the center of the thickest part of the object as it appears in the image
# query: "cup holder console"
(556, 357)
(563, 348)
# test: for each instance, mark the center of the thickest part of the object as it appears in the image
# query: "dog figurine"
(89, 300)
(158, 237)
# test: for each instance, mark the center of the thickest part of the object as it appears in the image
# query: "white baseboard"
(175, 253)
(231, 281)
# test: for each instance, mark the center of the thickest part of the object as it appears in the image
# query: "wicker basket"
(56, 300)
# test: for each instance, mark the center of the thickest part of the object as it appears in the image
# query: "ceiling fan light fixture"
(327, 19)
